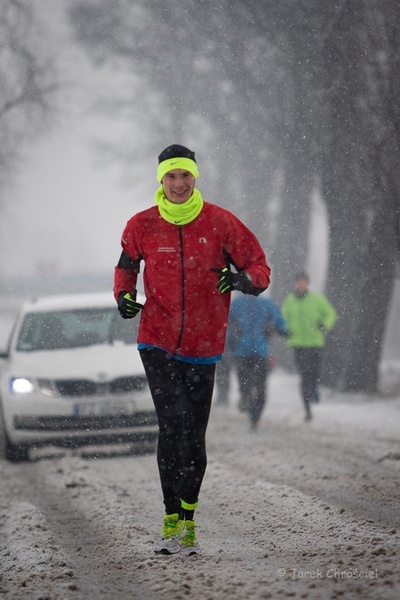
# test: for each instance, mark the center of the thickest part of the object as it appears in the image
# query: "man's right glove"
(127, 305)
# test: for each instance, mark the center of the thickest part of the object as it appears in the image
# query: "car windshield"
(75, 328)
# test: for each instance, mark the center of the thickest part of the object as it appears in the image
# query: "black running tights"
(308, 364)
(182, 394)
(252, 374)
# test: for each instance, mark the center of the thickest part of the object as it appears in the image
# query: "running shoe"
(189, 543)
(171, 532)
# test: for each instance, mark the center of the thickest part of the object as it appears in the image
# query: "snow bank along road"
(297, 510)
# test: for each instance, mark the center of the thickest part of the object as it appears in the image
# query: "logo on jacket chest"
(201, 240)
(166, 249)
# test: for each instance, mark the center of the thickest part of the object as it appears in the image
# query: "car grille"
(75, 423)
(86, 387)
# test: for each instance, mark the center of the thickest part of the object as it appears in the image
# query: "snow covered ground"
(296, 510)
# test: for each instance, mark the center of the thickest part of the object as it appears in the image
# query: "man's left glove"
(228, 281)
(127, 305)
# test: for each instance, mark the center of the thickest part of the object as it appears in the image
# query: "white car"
(72, 376)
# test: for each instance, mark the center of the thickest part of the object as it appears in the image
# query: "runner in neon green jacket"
(309, 316)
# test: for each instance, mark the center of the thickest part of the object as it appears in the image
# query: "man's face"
(178, 185)
(301, 286)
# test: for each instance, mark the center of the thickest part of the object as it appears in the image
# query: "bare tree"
(27, 79)
(361, 185)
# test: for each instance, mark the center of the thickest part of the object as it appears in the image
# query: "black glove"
(229, 281)
(127, 305)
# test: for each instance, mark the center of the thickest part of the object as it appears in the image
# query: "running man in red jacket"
(188, 247)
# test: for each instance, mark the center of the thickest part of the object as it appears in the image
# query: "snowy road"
(299, 510)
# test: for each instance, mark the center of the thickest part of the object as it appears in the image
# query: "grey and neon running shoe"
(171, 532)
(189, 544)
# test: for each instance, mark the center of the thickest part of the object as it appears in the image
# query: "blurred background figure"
(223, 377)
(252, 321)
(309, 316)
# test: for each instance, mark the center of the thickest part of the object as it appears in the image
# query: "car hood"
(98, 363)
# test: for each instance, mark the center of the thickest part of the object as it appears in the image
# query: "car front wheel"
(14, 453)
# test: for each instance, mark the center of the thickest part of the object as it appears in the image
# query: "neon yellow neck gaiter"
(179, 214)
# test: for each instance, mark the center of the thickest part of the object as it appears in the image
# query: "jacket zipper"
(182, 289)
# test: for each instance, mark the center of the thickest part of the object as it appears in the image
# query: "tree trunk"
(293, 224)
(347, 230)
(362, 372)
(289, 254)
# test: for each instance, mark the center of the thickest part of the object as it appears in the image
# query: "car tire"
(14, 453)
(9, 451)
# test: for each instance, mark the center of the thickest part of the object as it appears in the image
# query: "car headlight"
(21, 385)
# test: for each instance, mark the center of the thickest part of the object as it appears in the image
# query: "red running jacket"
(184, 313)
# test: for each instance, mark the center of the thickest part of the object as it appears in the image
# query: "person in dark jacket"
(189, 247)
(309, 317)
(252, 322)
(223, 376)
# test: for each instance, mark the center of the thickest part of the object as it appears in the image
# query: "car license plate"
(104, 409)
